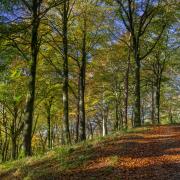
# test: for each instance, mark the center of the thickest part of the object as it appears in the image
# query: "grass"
(139, 130)
(59, 159)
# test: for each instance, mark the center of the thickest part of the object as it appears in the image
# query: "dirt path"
(153, 155)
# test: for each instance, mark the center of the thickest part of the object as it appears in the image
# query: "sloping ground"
(153, 154)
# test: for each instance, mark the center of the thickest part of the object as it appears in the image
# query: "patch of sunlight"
(148, 161)
(50, 154)
(17, 173)
(113, 160)
(173, 150)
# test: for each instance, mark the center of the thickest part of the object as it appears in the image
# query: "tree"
(28, 118)
(137, 16)
(65, 15)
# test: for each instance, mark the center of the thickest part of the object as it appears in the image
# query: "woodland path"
(152, 155)
(148, 155)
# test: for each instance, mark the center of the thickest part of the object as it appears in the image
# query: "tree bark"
(127, 86)
(28, 118)
(142, 114)
(14, 133)
(6, 141)
(14, 148)
(82, 76)
(171, 116)
(152, 104)
(91, 130)
(65, 74)
(77, 120)
(104, 126)
(49, 131)
(104, 119)
(158, 90)
(116, 124)
(49, 134)
(137, 108)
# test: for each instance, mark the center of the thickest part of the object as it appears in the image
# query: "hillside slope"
(151, 154)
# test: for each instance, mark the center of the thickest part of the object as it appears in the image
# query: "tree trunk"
(48, 109)
(6, 134)
(91, 130)
(82, 127)
(152, 105)
(65, 74)
(77, 120)
(28, 117)
(132, 118)
(104, 126)
(116, 124)
(137, 108)
(14, 133)
(171, 116)
(127, 88)
(14, 148)
(104, 120)
(142, 114)
(158, 89)
(77, 124)
(4, 149)
(49, 129)
(5, 153)
(82, 76)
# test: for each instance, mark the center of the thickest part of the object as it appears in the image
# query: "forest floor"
(152, 154)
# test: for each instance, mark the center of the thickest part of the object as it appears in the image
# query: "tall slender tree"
(28, 118)
(36, 12)
(65, 15)
(137, 16)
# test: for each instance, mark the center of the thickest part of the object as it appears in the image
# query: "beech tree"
(137, 17)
